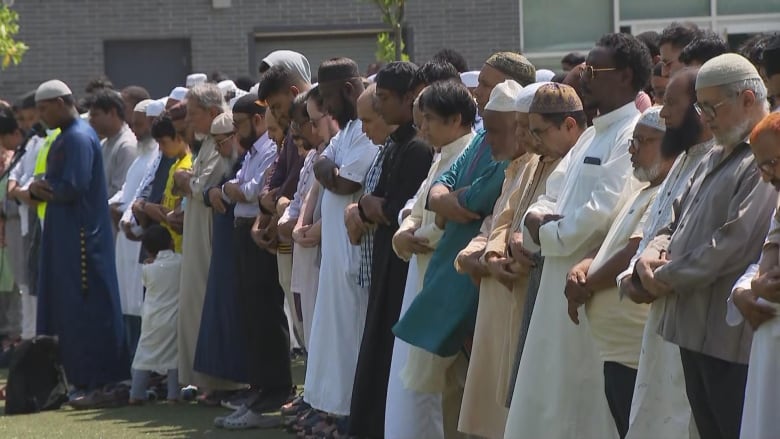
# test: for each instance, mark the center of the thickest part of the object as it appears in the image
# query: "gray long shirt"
(719, 228)
(119, 152)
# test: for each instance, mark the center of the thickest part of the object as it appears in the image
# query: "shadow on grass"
(184, 420)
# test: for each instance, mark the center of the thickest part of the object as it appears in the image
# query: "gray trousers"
(534, 280)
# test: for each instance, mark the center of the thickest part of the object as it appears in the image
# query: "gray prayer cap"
(725, 69)
(51, 90)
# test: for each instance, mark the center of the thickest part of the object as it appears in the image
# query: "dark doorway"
(157, 65)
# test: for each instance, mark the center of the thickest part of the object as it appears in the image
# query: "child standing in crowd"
(157, 349)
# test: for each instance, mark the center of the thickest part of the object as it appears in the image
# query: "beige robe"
(500, 312)
(207, 169)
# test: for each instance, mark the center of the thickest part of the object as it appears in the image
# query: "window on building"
(643, 9)
(736, 7)
(577, 24)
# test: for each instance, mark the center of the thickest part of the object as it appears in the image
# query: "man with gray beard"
(717, 231)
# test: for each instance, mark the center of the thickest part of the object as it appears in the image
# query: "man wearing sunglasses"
(560, 375)
(717, 232)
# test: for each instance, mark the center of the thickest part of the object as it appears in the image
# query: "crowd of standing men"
(502, 253)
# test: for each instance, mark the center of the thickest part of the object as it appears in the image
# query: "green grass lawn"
(186, 420)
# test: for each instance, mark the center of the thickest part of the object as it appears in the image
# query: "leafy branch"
(11, 51)
(391, 47)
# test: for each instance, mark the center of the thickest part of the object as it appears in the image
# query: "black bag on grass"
(36, 379)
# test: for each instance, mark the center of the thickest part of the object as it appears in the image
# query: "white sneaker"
(251, 419)
(219, 421)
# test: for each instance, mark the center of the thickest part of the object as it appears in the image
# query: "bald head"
(368, 98)
(375, 128)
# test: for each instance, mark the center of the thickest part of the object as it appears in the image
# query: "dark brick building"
(156, 42)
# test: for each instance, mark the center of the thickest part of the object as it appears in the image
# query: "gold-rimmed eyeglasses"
(590, 71)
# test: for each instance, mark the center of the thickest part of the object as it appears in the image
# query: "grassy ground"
(149, 421)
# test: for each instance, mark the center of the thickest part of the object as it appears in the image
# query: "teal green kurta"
(444, 313)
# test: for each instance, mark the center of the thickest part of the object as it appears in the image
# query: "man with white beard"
(660, 406)
(717, 231)
(617, 323)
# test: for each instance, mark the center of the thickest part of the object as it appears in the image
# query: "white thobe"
(340, 311)
(660, 406)
(157, 349)
(759, 413)
(128, 268)
(559, 392)
(22, 173)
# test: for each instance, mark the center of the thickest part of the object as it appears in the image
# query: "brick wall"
(66, 36)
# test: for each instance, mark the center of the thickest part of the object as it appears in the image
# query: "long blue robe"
(78, 293)
(221, 349)
(444, 313)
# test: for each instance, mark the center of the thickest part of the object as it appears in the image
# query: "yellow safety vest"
(40, 166)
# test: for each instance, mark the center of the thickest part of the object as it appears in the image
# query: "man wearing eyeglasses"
(771, 70)
(672, 41)
(616, 324)
(760, 419)
(660, 407)
(204, 104)
(560, 375)
(718, 230)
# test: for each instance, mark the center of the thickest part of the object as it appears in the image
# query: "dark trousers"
(716, 391)
(369, 393)
(132, 333)
(261, 305)
(619, 383)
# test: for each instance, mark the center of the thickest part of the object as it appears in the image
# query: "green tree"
(391, 47)
(11, 51)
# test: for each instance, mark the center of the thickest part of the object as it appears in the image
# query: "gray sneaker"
(219, 421)
(251, 419)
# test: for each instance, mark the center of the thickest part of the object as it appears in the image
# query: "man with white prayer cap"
(290, 60)
(544, 75)
(128, 267)
(660, 407)
(432, 366)
(176, 95)
(482, 411)
(718, 231)
(204, 104)
(78, 301)
(195, 79)
(228, 88)
(220, 348)
(503, 290)
(559, 375)
(427, 324)
(155, 108)
(617, 323)
(470, 79)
